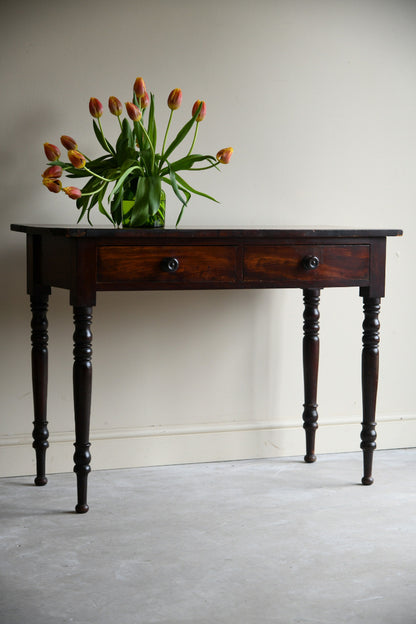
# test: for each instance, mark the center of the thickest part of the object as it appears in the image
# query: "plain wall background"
(317, 99)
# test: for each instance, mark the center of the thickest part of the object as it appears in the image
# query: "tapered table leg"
(82, 380)
(310, 368)
(369, 379)
(39, 337)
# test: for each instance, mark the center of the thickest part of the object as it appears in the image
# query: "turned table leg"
(82, 380)
(310, 368)
(369, 378)
(39, 337)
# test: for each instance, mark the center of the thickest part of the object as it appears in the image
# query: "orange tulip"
(73, 192)
(139, 87)
(145, 100)
(68, 142)
(115, 106)
(224, 155)
(52, 152)
(77, 159)
(52, 172)
(133, 111)
(96, 108)
(202, 112)
(52, 185)
(175, 99)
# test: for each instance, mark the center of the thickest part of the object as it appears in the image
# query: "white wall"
(317, 99)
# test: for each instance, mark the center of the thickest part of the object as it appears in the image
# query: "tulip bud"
(224, 155)
(133, 111)
(145, 100)
(96, 108)
(175, 99)
(72, 191)
(52, 152)
(52, 172)
(115, 106)
(77, 159)
(202, 112)
(139, 88)
(68, 142)
(52, 185)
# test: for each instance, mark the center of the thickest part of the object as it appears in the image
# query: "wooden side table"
(87, 260)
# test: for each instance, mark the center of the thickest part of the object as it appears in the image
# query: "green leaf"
(125, 142)
(151, 127)
(140, 209)
(104, 211)
(122, 178)
(186, 163)
(155, 187)
(101, 138)
(116, 206)
(189, 188)
(176, 190)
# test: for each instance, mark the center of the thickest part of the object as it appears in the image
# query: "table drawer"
(167, 264)
(307, 263)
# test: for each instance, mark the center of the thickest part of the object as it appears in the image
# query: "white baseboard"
(129, 448)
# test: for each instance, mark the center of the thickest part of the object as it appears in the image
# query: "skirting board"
(153, 446)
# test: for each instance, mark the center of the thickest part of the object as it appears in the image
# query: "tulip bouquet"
(130, 174)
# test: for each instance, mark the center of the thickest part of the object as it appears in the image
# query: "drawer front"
(334, 264)
(162, 264)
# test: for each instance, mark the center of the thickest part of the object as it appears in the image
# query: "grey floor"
(250, 542)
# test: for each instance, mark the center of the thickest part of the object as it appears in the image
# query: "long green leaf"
(176, 190)
(155, 187)
(121, 179)
(151, 127)
(186, 163)
(189, 188)
(140, 210)
(101, 139)
(125, 142)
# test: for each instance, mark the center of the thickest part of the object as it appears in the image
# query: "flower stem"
(96, 175)
(166, 134)
(93, 192)
(195, 135)
(203, 168)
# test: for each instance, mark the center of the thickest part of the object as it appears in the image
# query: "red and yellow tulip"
(68, 142)
(72, 191)
(202, 112)
(133, 111)
(52, 152)
(224, 155)
(96, 108)
(77, 159)
(175, 99)
(139, 87)
(115, 106)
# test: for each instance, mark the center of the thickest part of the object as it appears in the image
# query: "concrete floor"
(251, 542)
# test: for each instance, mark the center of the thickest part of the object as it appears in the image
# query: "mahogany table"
(86, 260)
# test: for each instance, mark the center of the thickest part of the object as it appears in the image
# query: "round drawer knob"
(170, 265)
(310, 262)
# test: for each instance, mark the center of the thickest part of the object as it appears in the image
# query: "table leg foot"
(39, 481)
(369, 381)
(310, 369)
